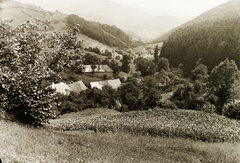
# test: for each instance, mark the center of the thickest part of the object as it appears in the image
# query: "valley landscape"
(102, 81)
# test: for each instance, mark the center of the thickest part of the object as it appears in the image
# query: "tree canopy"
(213, 41)
(109, 35)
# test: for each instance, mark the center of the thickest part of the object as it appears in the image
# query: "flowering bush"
(159, 122)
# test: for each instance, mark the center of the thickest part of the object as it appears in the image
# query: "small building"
(78, 86)
(62, 88)
(123, 76)
(166, 96)
(100, 71)
(114, 83)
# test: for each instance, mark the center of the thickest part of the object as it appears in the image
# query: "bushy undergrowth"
(195, 125)
(232, 110)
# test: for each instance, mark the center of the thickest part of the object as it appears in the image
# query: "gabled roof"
(77, 86)
(115, 83)
(123, 75)
(166, 96)
(62, 88)
(99, 68)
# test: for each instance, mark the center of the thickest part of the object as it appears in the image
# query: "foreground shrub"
(25, 71)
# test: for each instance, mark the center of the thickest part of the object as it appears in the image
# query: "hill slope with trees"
(109, 35)
(19, 12)
(211, 37)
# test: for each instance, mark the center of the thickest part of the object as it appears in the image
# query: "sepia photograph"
(119, 81)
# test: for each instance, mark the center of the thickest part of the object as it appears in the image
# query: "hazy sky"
(189, 5)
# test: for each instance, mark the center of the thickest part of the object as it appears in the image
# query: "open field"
(158, 122)
(23, 144)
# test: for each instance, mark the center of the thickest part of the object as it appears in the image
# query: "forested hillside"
(210, 39)
(110, 35)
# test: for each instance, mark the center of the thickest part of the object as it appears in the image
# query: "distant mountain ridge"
(211, 38)
(130, 18)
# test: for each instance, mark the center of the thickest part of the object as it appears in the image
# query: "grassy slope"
(25, 144)
(159, 122)
(23, 14)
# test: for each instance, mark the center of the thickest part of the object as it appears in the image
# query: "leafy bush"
(25, 71)
(91, 98)
(232, 110)
(169, 105)
(130, 96)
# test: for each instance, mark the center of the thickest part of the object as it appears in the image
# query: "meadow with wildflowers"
(194, 125)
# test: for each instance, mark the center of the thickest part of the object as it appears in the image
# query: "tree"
(146, 67)
(25, 73)
(200, 71)
(114, 66)
(110, 96)
(156, 51)
(130, 96)
(163, 64)
(221, 81)
(184, 96)
(93, 67)
(125, 63)
(89, 59)
(151, 94)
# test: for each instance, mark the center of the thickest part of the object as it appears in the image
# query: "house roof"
(62, 88)
(115, 83)
(123, 74)
(99, 68)
(77, 86)
(166, 96)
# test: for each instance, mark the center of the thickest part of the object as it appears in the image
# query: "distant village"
(100, 71)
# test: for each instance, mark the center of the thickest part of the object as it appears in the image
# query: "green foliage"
(146, 67)
(156, 51)
(125, 63)
(221, 81)
(114, 66)
(29, 60)
(213, 41)
(24, 74)
(130, 96)
(95, 50)
(232, 110)
(194, 96)
(110, 35)
(107, 53)
(199, 72)
(163, 64)
(110, 97)
(89, 59)
(184, 95)
(151, 93)
(90, 98)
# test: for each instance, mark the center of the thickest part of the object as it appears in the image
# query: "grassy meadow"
(26, 144)
(190, 124)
